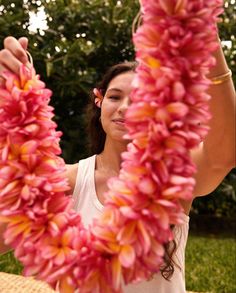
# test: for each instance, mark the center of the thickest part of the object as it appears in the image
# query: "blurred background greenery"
(73, 42)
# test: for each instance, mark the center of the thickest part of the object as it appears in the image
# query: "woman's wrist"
(221, 78)
(221, 67)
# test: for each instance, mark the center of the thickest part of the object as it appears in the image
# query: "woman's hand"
(13, 54)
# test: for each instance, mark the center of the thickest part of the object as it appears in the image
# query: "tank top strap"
(84, 179)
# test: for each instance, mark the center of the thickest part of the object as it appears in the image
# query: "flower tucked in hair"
(99, 97)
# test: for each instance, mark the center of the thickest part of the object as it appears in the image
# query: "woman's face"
(115, 104)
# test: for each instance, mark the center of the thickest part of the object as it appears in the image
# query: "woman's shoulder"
(71, 174)
(72, 170)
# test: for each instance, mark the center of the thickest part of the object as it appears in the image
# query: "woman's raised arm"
(215, 157)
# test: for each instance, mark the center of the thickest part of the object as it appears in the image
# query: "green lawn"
(210, 264)
(9, 264)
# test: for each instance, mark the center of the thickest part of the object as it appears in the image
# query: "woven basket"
(10, 283)
(197, 292)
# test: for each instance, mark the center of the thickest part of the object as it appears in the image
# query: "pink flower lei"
(167, 118)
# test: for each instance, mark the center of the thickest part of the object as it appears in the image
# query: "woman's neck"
(109, 160)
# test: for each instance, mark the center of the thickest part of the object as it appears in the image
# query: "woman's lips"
(120, 122)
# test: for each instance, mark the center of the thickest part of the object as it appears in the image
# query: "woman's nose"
(124, 104)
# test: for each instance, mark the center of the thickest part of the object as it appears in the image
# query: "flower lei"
(167, 117)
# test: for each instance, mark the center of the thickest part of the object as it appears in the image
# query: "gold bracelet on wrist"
(219, 79)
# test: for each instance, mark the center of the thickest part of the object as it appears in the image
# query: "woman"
(88, 178)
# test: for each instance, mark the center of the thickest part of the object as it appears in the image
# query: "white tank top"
(88, 205)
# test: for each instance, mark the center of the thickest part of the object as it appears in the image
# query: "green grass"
(9, 264)
(210, 264)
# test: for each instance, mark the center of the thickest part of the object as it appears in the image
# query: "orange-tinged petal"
(24, 76)
(25, 192)
(176, 142)
(114, 247)
(177, 179)
(15, 149)
(177, 109)
(102, 247)
(147, 185)
(157, 248)
(116, 199)
(178, 90)
(180, 5)
(144, 236)
(60, 257)
(51, 241)
(69, 253)
(60, 220)
(118, 185)
(4, 219)
(166, 203)
(147, 38)
(104, 233)
(167, 6)
(171, 191)
(48, 165)
(32, 128)
(67, 237)
(50, 251)
(4, 153)
(141, 142)
(152, 62)
(163, 171)
(162, 115)
(141, 111)
(18, 218)
(116, 272)
(14, 231)
(11, 80)
(92, 281)
(127, 233)
(164, 218)
(127, 256)
(66, 285)
(29, 147)
(9, 187)
(171, 7)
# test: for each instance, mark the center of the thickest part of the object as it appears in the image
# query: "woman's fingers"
(9, 61)
(13, 54)
(2, 68)
(16, 48)
(24, 42)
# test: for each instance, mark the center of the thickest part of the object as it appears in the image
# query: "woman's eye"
(114, 97)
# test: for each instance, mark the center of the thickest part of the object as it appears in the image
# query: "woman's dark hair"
(97, 141)
(95, 130)
(167, 268)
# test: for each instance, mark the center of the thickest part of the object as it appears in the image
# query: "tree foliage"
(83, 39)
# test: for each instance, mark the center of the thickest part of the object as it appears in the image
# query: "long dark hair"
(97, 141)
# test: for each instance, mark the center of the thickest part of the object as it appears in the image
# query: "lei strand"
(167, 118)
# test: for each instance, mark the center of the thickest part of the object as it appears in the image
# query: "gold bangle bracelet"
(219, 79)
(30, 58)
